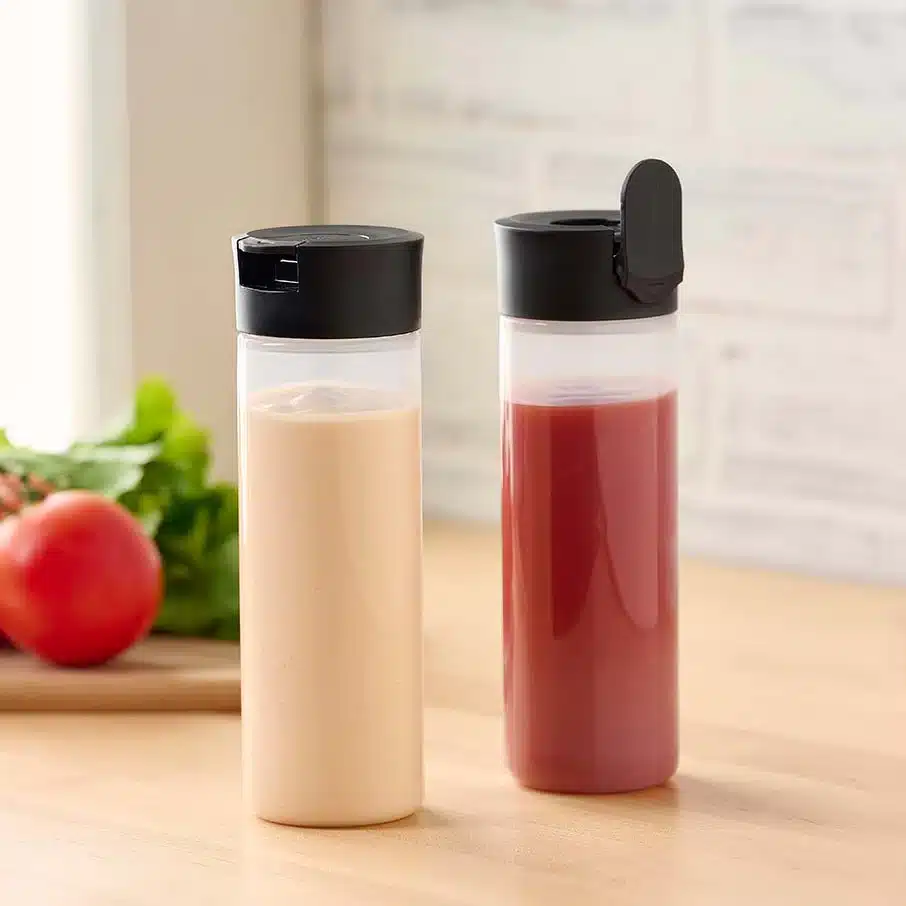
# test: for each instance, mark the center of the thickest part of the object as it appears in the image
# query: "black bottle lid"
(597, 265)
(328, 282)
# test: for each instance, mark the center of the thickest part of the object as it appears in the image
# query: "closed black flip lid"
(328, 282)
(597, 265)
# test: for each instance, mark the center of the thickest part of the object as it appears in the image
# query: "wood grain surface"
(792, 784)
(160, 674)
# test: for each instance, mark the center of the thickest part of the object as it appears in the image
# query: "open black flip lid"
(597, 265)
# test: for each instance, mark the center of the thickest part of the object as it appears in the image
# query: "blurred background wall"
(787, 122)
(139, 135)
(153, 130)
(220, 95)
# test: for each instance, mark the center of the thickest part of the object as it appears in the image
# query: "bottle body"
(331, 544)
(589, 552)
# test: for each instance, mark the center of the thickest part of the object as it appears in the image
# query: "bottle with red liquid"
(588, 388)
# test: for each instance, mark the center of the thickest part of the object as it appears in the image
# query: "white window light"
(64, 277)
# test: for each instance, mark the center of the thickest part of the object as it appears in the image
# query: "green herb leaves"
(157, 466)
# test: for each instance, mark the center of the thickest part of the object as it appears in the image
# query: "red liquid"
(589, 571)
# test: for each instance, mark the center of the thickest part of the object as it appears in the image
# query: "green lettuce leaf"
(157, 466)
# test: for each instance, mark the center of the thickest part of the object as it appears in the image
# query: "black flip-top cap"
(597, 265)
(328, 282)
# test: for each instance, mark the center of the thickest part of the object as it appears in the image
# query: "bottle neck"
(389, 365)
(574, 363)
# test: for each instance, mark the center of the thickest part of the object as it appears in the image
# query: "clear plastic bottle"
(588, 387)
(330, 523)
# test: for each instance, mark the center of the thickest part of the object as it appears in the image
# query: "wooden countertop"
(792, 786)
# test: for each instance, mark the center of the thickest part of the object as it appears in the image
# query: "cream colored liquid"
(331, 607)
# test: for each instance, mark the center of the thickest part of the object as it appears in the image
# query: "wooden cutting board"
(160, 674)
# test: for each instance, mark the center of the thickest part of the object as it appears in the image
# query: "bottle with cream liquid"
(331, 523)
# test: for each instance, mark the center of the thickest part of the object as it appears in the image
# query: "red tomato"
(79, 580)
